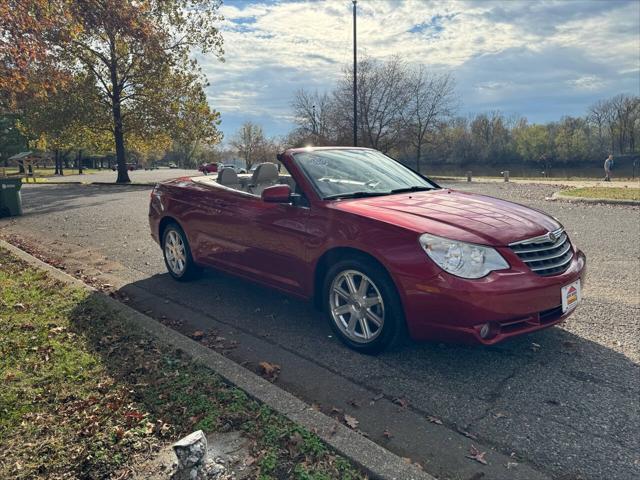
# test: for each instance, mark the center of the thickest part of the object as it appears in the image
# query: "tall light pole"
(355, 80)
(314, 126)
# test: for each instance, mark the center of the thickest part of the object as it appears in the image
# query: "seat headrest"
(264, 173)
(228, 176)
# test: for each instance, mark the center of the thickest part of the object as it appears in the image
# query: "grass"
(86, 395)
(608, 193)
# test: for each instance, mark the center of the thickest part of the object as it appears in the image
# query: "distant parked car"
(209, 168)
(173, 165)
(378, 247)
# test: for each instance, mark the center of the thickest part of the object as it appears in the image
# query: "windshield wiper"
(355, 195)
(415, 188)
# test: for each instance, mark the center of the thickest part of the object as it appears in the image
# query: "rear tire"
(367, 317)
(177, 254)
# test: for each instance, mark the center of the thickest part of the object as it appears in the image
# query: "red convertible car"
(381, 249)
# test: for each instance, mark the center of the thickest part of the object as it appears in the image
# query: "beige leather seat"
(229, 178)
(266, 175)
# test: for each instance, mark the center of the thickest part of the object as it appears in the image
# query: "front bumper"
(513, 302)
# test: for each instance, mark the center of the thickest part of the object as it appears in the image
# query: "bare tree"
(249, 142)
(598, 116)
(382, 97)
(431, 102)
(617, 118)
(626, 112)
(312, 112)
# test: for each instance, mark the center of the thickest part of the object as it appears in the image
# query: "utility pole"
(355, 80)
(314, 126)
(313, 122)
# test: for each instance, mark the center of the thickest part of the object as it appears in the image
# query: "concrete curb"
(606, 201)
(376, 461)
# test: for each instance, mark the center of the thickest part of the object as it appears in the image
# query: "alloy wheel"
(356, 306)
(175, 252)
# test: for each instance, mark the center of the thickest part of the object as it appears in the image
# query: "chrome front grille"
(546, 255)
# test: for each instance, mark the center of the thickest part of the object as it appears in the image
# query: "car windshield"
(355, 173)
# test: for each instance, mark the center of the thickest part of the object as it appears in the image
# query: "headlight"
(465, 260)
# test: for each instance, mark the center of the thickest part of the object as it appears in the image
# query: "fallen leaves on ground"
(402, 402)
(269, 371)
(294, 444)
(468, 434)
(56, 330)
(435, 420)
(351, 422)
(197, 335)
(387, 434)
(477, 455)
(119, 396)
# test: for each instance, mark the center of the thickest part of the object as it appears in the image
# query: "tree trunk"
(418, 153)
(118, 134)
(56, 159)
(123, 174)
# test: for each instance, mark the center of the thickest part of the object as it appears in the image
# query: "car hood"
(457, 215)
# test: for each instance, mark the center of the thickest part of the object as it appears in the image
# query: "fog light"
(485, 331)
(489, 330)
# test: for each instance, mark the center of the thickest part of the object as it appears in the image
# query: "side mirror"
(277, 194)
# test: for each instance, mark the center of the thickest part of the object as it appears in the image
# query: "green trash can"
(10, 199)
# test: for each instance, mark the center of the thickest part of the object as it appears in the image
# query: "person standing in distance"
(608, 163)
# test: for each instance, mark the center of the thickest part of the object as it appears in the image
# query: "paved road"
(136, 176)
(562, 403)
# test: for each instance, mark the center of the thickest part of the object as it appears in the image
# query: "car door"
(238, 232)
(276, 243)
(200, 218)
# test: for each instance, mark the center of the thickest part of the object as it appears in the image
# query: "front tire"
(177, 254)
(362, 306)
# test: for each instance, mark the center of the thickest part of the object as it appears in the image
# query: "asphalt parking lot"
(136, 176)
(561, 403)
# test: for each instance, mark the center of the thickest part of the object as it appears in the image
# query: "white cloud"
(274, 48)
(587, 82)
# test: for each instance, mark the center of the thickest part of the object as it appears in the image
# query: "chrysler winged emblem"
(552, 237)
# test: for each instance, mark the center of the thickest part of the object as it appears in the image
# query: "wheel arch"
(166, 221)
(337, 254)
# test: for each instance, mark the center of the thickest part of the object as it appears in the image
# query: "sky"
(540, 59)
